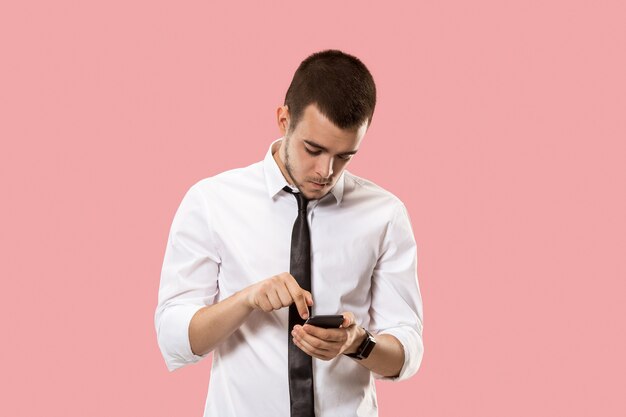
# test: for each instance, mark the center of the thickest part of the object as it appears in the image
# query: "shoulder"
(237, 179)
(379, 206)
(363, 191)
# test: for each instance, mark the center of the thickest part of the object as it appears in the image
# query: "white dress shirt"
(234, 229)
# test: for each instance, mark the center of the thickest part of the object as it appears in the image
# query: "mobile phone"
(325, 321)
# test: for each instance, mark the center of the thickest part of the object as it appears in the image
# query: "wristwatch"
(365, 348)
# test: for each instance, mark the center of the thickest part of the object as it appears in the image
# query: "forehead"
(317, 128)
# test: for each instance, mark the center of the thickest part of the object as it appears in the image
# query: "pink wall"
(500, 124)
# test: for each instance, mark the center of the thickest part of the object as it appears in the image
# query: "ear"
(282, 117)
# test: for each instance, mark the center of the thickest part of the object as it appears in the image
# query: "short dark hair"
(339, 84)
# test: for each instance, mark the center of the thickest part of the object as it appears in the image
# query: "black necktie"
(300, 364)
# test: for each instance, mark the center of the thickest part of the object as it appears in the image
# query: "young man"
(255, 251)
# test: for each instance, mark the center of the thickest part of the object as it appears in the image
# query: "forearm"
(387, 357)
(212, 324)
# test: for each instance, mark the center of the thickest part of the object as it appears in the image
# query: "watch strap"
(365, 348)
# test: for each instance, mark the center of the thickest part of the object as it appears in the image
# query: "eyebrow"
(323, 148)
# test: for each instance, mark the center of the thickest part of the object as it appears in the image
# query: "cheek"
(340, 164)
(305, 165)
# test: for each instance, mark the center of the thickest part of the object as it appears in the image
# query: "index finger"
(300, 296)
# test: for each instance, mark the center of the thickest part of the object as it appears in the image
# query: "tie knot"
(300, 198)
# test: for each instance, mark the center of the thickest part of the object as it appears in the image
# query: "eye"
(345, 157)
(310, 152)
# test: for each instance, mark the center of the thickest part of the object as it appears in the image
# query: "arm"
(387, 357)
(190, 325)
(189, 278)
(395, 312)
(396, 308)
(212, 324)
(188, 321)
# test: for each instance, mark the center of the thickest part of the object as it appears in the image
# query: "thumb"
(348, 319)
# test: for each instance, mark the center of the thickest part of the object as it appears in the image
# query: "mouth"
(318, 185)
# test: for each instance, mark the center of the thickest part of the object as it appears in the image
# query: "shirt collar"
(275, 180)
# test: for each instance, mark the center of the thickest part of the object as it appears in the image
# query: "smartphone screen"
(325, 321)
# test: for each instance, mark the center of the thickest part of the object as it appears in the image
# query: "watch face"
(365, 348)
(368, 347)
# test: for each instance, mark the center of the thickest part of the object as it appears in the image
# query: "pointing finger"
(299, 296)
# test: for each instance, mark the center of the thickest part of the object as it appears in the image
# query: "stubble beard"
(288, 164)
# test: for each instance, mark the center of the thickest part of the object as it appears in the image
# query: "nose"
(325, 167)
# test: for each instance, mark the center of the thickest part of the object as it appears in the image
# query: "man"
(240, 276)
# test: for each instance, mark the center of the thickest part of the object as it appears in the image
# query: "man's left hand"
(326, 344)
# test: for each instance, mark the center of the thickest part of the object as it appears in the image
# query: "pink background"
(500, 124)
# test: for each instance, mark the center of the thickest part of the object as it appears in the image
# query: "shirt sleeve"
(396, 307)
(189, 278)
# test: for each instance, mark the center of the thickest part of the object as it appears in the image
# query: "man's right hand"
(277, 292)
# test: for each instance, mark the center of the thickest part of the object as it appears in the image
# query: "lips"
(318, 185)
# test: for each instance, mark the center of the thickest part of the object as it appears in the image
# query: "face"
(314, 154)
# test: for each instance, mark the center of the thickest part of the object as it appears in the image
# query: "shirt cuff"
(173, 336)
(413, 347)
